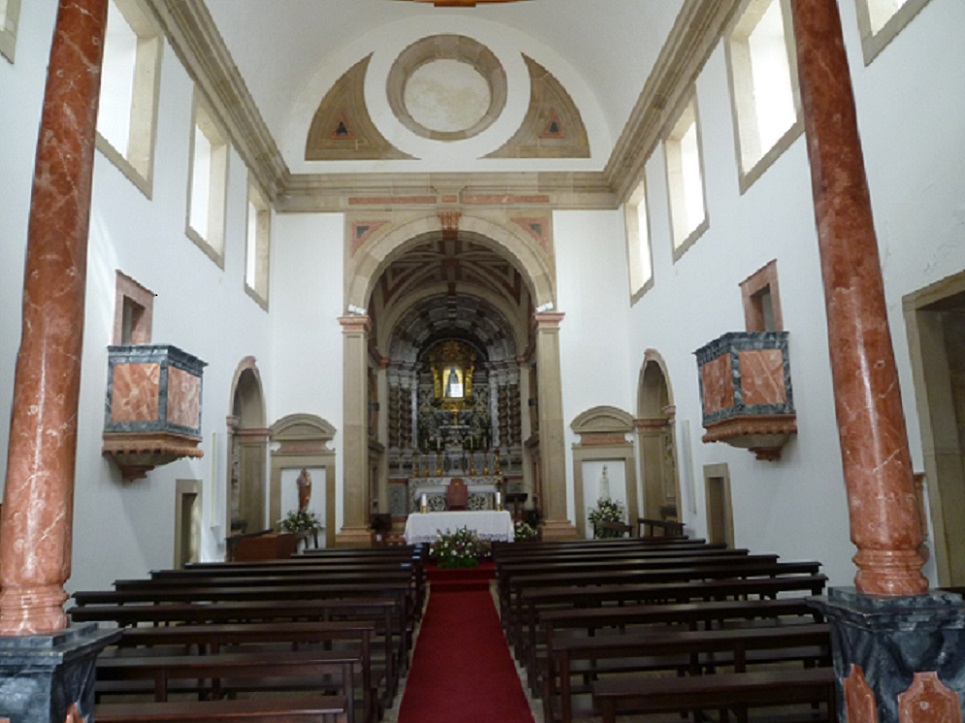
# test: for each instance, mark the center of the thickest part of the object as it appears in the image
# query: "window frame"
(136, 162)
(9, 20)
(677, 130)
(212, 239)
(631, 216)
(873, 42)
(260, 247)
(750, 165)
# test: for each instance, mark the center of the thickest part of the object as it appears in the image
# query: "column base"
(45, 678)
(895, 655)
(353, 537)
(559, 530)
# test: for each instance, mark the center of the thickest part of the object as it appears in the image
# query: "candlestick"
(499, 501)
(424, 504)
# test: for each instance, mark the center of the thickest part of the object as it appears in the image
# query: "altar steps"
(461, 579)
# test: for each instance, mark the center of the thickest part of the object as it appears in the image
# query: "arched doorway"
(247, 448)
(474, 281)
(655, 429)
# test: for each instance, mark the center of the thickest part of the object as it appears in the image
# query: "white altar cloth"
(489, 525)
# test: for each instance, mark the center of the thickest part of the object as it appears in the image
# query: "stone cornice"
(693, 38)
(195, 39)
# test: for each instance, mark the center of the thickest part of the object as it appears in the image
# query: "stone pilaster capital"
(355, 324)
(548, 320)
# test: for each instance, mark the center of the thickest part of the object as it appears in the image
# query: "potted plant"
(606, 511)
(461, 548)
(380, 524)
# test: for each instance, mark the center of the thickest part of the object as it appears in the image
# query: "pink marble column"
(874, 444)
(38, 499)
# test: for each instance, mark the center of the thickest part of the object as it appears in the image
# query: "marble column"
(874, 445)
(46, 667)
(556, 525)
(899, 651)
(355, 424)
(38, 499)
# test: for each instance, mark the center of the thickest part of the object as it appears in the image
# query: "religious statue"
(304, 483)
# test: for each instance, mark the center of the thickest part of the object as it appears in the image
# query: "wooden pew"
(559, 624)
(758, 688)
(520, 586)
(691, 651)
(509, 576)
(535, 599)
(211, 638)
(384, 611)
(282, 709)
(225, 671)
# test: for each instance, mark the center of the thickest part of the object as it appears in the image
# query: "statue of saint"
(304, 482)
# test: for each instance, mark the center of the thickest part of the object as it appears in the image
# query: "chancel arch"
(656, 440)
(247, 451)
(413, 288)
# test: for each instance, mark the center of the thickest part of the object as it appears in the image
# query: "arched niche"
(301, 441)
(657, 440)
(247, 451)
(603, 444)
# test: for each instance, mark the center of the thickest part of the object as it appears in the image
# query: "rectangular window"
(638, 242)
(127, 110)
(685, 180)
(9, 16)
(881, 20)
(258, 246)
(208, 184)
(764, 90)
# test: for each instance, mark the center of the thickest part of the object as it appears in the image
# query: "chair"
(457, 494)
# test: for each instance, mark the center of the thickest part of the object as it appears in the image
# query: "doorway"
(936, 332)
(657, 441)
(720, 513)
(187, 522)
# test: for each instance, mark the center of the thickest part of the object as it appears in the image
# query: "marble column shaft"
(874, 445)
(38, 499)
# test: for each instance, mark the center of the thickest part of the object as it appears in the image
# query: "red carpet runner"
(462, 671)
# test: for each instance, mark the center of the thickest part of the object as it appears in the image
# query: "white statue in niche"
(604, 484)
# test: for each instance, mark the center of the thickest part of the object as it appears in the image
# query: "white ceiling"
(279, 45)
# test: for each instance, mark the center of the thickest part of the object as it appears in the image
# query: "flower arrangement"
(606, 510)
(300, 521)
(523, 531)
(461, 548)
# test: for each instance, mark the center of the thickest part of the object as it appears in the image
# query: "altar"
(488, 525)
(482, 491)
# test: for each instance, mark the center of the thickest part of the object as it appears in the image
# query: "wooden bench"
(383, 611)
(647, 527)
(690, 616)
(692, 651)
(537, 599)
(654, 586)
(512, 579)
(282, 709)
(640, 694)
(210, 639)
(225, 672)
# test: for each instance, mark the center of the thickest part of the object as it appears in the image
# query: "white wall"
(797, 506)
(22, 92)
(307, 293)
(593, 291)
